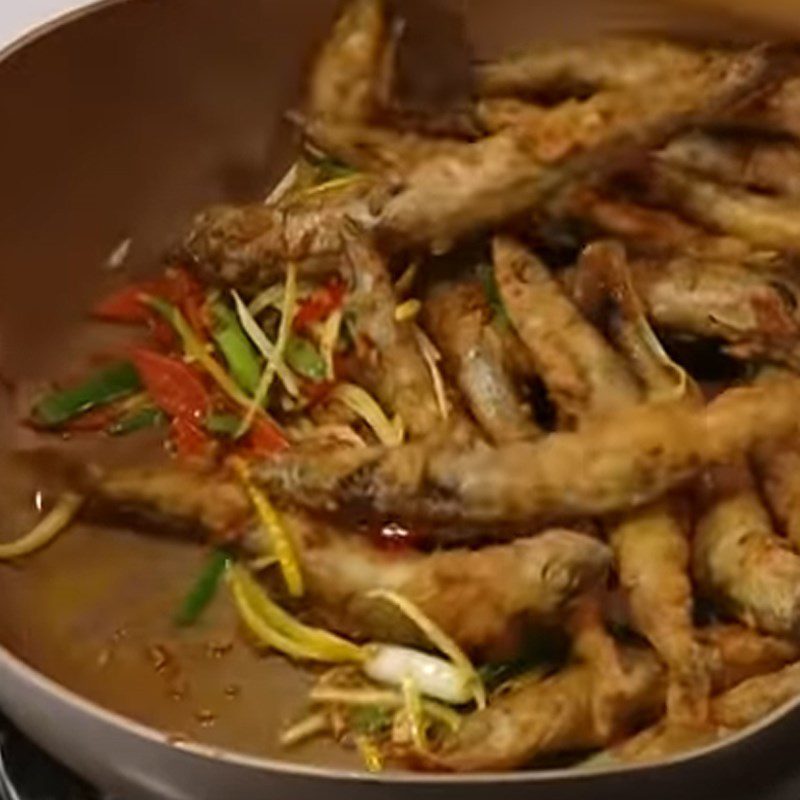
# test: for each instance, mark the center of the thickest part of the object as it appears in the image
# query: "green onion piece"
(222, 424)
(196, 350)
(486, 277)
(104, 387)
(203, 590)
(149, 417)
(239, 354)
(304, 359)
(369, 720)
(329, 169)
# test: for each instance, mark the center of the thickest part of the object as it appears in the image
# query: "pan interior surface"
(118, 126)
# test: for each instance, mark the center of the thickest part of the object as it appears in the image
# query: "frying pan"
(117, 124)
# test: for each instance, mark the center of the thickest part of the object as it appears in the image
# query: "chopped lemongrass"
(306, 728)
(284, 329)
(50, 526)
(283, 186)
(370, 753)
(279, 541)
(272, 297)
(196, 350)
(265, 346)
(407, 310)
(412, 705)
(439, 639)
(432, 357)
(403, 285)
(326, 646)
(386, 698)
(359, 401)
(261, 564)
(337, 433)
(265, 633)
(434, 676)
(328, 339)
(333, 184)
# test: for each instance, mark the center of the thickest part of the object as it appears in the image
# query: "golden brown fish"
(484, 598)
(739, 560)
(347, 76)
(583, 374)
(650, 544)
(613, 464)
(743, 705)
(557, 714)
(766, 222)
(753, 311)
(611, 62)
(459, 319)
(389, 357)
(370, 148)
(762, 164)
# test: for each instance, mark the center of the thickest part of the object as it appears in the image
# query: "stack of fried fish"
(603, 243)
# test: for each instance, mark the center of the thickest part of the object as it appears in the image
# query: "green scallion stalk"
(110, 384)
(203, 590)
(239, 354)
(305, 359)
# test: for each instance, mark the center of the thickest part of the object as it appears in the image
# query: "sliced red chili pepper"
(126, 304)
(186, 293)
(319, 304)
(316, 391)
(173, 386)
(190, 441)
(177, 286)
(162, 333)
(264, 438)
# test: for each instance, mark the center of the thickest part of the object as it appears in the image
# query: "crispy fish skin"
(390, 359)
(740, 561)
(778, 467)
(482, 598)
(651, 231)
(609, 465)
(611, 62)
(743, 705)
(499, 177)
(498, 113)
(583, 374)
(346, 77)
(247, 247)
(455, 195)
(604, 289)
(169, 499)
(771, 166)
(779, 110)
(370, 148)
(650, 544)
(553, 715)
(652, 554)
(754, 311)
(757, 697)
(557, 714)
(459, 319)
(768, 222)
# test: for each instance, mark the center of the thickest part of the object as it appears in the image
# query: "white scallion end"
(433, 676)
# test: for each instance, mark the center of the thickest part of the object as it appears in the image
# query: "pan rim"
(37, 680)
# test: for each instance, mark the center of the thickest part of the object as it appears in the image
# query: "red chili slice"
(173, 386)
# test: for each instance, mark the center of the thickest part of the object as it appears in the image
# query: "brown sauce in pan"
(94, 610)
